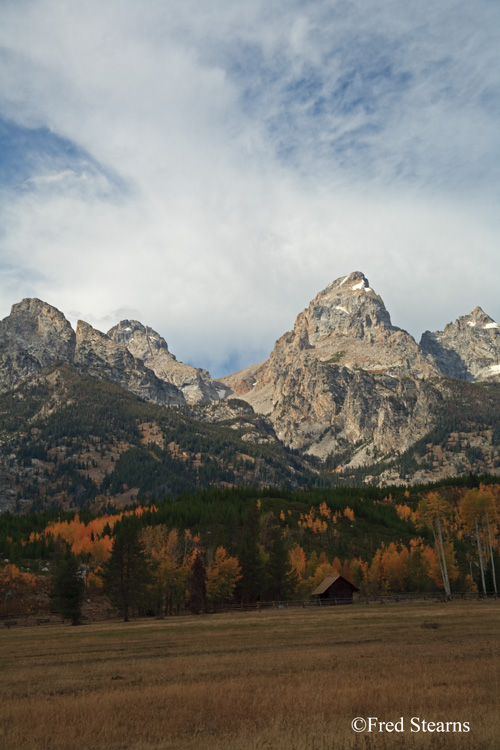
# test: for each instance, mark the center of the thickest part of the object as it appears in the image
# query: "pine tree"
(126, 573)
(68, 588)
(281, 578)
(249, 586)
(198, 587)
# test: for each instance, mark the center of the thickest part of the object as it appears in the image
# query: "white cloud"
(265, 150)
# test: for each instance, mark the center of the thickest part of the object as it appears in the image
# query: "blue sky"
(208, 168)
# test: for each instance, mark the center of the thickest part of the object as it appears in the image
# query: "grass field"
(286, 679)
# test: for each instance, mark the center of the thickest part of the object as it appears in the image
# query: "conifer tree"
(126, 573)
(198, 587)
(249, 586)
(282, 579)
(68, 588)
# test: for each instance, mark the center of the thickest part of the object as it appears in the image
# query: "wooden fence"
(41, 618)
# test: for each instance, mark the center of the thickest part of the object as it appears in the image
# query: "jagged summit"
(332, 379)
(477, 318)
(98, 355)
(344, 381)
(31, 337)
(36, 335)
(147, 345)
(41, 328)
(467, 349)
(347, 306)
(355, 281)
(142, 341)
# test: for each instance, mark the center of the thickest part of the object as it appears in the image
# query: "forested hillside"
(219, 546)
(68, 440)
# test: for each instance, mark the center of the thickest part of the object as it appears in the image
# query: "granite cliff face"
(145, 344)
(34, 335)
(99, 355)
(468, 349)
(343, 381)
(344, 376)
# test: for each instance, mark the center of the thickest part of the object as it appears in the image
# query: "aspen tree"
(435, 512)
(477, 511)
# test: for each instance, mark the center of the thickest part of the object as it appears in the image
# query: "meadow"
(283, 679)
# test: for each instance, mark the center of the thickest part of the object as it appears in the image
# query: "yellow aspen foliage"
(324, 510)
(15, 585)
(85, 539)
(389, 569)
(323, 559)
(298, 560)
(404, 511)
(323, 570)
(172, 543)
(355, 570)
(336, 565)
(222, 577)
(349, 513)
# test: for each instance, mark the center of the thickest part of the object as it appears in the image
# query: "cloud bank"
(208, 169)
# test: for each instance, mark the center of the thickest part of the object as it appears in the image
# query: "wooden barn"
(335, 590)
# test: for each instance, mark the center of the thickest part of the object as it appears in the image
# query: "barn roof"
(325, 585)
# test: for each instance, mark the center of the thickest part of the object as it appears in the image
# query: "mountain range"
(345, 396)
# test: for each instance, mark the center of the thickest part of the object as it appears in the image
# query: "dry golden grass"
(287, 680)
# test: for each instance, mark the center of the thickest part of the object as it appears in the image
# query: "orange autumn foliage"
(297, 560)
(349, 513)
(222, 577)
(404, 511)
(16, 586)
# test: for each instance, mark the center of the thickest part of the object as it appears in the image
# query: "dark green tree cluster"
(126, 574)
(67, 587)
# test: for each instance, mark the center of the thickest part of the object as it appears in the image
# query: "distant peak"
(128, 331)
(355, 281)
(35, 306)
(478, 318)
(477, 312)
(85, 329)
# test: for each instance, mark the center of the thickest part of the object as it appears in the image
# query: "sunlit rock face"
(145, 344)
(99, 355)
(343, 376)
(468, 348)
(34, 335)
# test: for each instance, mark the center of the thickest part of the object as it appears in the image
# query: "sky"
(208, 168)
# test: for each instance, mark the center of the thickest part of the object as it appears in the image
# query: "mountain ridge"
(344, 387)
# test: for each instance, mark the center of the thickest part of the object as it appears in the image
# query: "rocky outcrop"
(34, 335)
(99, 355)
(344, 381)
(145, 344)
(468, 349)
(343, 377)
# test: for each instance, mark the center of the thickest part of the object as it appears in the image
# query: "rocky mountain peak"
(355, 281)
(31, 337)
(467, 349)
(348, 306)
(147, 345)
(93, 347)
(315, 383)
(476, 319)
(141, 341)
(42, 330)
(103, 357)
